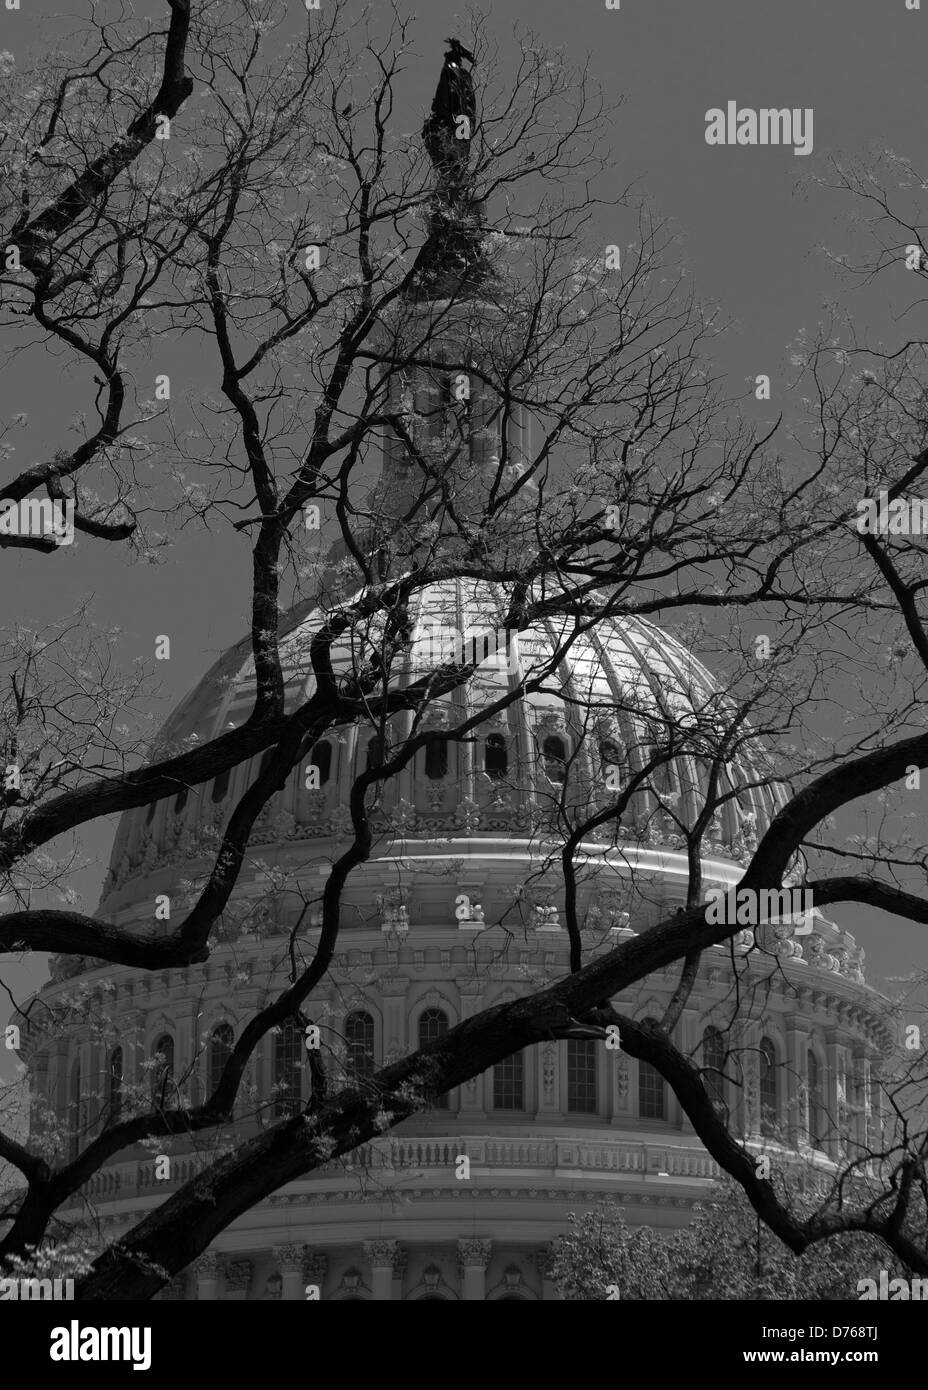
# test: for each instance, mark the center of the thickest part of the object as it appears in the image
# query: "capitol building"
(550, 1130)
(459, 906)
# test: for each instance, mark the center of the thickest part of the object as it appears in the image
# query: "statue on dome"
(447, 131)
(451, 259)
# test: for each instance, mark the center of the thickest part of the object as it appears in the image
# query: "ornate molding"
(209, 1265)
(474, 1253)
(289, 1257)
(381, 1254)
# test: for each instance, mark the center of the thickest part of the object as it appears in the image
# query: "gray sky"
(752, 245)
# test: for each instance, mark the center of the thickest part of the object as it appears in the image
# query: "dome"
(553, 1129)
(609, 694)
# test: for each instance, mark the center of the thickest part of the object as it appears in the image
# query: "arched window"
(713, 1060)
(74, 1110)
(652, 1092)
(509, 1083)
(359, 1044)
(180, 800)
(816, 1119)
(162, 1072)
(220, 1050)
(495, 757)
(288, 1069)
(554, 753)
(321, 757)
(221, 785)
(433, 1024)
(436, 758)
(769, 1098)
(581, 1076)
(114, 1097)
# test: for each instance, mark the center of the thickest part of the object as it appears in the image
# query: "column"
(58, 1076)
(185, 1040)
(381, 1256)
(687, 1037)
(797, 1047)
(399, 1274)
(551, 1060)
(875, 1128)
(208, 1270)
(473, 1258)
(238, 1280)
(472, 1094)
(751, 1072)
(289, 1260)
(834, 1067)
(862, 1095)
(131, 1030)
(393, 991)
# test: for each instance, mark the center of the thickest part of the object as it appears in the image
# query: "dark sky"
(752, 239)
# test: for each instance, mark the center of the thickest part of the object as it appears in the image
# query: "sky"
(753, 232)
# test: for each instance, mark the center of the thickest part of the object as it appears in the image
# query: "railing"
(555, 1157)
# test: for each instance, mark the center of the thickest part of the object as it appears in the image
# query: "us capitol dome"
(550, 1130)
(459, 907)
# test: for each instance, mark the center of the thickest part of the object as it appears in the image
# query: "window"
(509, 1083)
(220, 1050)
(321, 757)
(652, 1093)
(288, 1069)
(816, 1125)
(150, 813)
(495, 757)
(436, 758)
(554, 754)
(713, 1061)
(769, 1100)
(114, 1097)
(180, 800)
(162, 1073)
(74, 1110)
(221, 785)
(433, 1024)
(581, 1076)
(375, 752)
(359, 1040)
